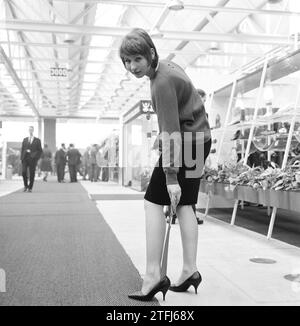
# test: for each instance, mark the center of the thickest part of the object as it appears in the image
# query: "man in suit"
(60, 161)
(30, 154)
(73, 156)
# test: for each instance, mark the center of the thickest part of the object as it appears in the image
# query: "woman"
(46, 164)
(180, 112)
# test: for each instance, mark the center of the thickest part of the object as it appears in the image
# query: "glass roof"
(59, 58)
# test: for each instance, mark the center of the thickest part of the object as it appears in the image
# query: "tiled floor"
(224, 253)
(8, 186)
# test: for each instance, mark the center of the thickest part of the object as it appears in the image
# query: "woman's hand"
(175, 194)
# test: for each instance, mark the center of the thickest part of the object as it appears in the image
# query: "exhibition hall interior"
(79, 134)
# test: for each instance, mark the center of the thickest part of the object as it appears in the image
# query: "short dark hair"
(138, 42)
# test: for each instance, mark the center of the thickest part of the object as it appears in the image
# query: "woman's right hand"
(175, 194)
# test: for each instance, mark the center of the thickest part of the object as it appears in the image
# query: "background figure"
(60, 161)
(30, 154)
(105, 169)
(93, 162)
(73, 158)
(46, 162)
(86, 164)
(202, 94)
(99, 160)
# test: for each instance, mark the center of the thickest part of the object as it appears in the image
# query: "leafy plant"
(270, 178)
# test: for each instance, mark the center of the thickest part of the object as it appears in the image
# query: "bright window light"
(294, 5)
(94, 67)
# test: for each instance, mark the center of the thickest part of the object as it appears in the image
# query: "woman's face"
(137, 65)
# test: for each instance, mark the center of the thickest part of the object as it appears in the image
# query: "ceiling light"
(69, 39)
(175, 5)
(274, 1)
(214, 47)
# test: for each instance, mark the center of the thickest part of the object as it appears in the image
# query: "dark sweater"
(179, 109)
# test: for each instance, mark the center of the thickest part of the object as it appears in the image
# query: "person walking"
(31, 152)
(181, 117)
(73, 158)
(60, 162)
(46, 162)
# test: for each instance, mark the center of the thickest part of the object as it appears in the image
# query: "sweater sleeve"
(166, 104)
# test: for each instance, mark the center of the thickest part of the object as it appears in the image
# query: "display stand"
(270, 71)
(139, 130)
(288, 200)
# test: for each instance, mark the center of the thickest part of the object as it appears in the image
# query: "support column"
(4, 151)
(40, 130)
(121, 151)
(3, 154)
(50, 134)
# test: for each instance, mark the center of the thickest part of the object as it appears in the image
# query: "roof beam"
(83, 13)
(17, 81)
(102, 119)
(21, 38)
(193, 7)
(161, 51)
(76, 61)
(44, 27)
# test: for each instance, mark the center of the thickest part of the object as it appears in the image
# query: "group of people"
(63, 156)
(90, 164)
(95, 164)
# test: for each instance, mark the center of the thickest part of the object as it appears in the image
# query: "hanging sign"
(146, 107)
(58, 72)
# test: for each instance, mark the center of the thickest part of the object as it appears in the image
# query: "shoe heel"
(164, 291)
(196, 284)
(166, 287)
(196, 287)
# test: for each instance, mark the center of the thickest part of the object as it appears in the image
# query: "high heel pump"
(193, 280)
(162, 286)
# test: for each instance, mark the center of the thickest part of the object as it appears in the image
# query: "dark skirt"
(157, 192)
(46, 165)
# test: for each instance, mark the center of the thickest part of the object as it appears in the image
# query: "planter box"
(289, 200)
(218, 189)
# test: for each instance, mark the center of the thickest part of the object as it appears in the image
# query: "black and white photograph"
(150, 156)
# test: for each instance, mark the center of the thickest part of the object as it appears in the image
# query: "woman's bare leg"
(189, 237)
(155, 234)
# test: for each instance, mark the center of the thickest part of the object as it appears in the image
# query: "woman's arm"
(166, 104)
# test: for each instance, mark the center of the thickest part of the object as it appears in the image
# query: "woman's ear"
(152, 54)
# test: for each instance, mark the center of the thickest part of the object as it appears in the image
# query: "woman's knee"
(184, 210)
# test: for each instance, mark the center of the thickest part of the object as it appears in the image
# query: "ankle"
(189, 270)
(152, 276)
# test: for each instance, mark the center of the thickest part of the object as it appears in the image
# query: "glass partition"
(140, 158)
